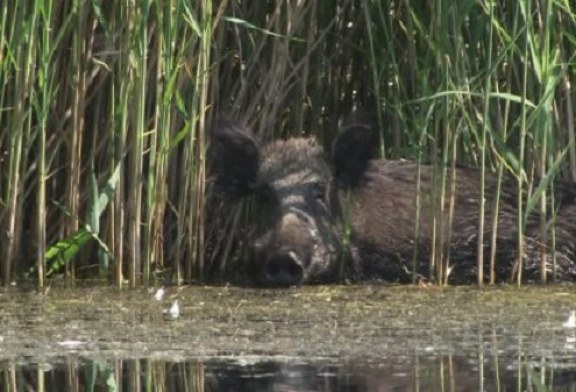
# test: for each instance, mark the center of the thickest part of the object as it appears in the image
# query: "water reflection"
(282, 374)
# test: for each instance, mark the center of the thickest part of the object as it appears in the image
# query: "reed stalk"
(42, 106)
(99, 95)
(18, 41)
(523, 135)
(483, 141)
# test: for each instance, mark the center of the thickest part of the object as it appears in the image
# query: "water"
(347, 338)
(293, 374)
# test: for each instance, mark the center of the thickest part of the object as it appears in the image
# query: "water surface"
(336, 338)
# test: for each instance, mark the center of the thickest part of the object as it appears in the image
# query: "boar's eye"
(265, 205)
(265, 195)
(319, 190)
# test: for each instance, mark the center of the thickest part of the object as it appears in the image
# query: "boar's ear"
(355, 146)
(234, 158)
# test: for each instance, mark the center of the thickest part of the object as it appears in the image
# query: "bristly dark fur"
(353, 150)
(302, 202)
(235, 156)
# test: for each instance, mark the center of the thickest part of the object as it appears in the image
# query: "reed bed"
(105, 106)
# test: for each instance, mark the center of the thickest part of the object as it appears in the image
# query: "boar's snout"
(285, 253)
(284, 268)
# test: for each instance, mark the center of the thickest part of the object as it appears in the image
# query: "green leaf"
(249, 25)
(62, 251)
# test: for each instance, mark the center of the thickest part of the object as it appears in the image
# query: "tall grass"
(124, 92)
(479, 66)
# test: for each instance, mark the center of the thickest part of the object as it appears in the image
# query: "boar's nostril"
(284, 269)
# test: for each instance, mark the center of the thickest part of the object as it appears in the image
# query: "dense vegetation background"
(105, 109)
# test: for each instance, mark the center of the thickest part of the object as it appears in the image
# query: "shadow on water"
(353, 338)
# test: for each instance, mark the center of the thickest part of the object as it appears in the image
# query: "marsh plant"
(105, 108)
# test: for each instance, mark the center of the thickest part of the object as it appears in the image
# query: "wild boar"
(320, 218)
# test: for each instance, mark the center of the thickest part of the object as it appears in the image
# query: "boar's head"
(294, 234)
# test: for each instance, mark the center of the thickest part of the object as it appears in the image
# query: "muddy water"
(336, 338)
